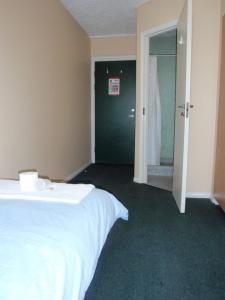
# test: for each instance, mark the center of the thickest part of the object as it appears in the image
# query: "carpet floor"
(158, 254)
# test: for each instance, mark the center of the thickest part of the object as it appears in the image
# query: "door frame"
(144, 50)
(95, 59)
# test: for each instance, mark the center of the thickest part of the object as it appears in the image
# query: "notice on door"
(114, 87)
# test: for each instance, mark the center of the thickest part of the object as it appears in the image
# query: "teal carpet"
(158, 254)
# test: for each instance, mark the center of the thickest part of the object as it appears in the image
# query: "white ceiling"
(105, 17)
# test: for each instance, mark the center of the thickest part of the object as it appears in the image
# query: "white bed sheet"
(49, 251)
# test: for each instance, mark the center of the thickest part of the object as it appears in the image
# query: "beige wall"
(223, 6)
(44, 94)
(204, 90)
(204, 94)
(219, 185)
(113, 46)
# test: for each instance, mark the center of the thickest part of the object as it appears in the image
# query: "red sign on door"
(114, 86)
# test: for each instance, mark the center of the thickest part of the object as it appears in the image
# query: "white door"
(184, 37)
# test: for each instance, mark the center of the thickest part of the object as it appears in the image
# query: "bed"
(50, 250)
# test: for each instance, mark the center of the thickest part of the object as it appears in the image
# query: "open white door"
(184, 38)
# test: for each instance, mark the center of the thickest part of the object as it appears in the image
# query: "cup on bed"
(28, 181)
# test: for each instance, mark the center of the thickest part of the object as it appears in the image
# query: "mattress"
(50, 250)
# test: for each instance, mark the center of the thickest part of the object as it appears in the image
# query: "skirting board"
(192, 195)
(76, 172)
(202, 196)
(199, 195)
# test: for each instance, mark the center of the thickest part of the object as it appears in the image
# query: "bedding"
(49, 250)
(45, 191)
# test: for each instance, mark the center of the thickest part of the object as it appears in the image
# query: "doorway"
(161, 108)
(183, 104)
(115, 92)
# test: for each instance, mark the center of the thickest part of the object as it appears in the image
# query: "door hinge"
(143, 111)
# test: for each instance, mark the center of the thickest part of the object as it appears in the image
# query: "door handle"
(188, 106)
(131, 116)
(183, 106)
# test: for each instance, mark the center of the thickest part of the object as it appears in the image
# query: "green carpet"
(159, 253)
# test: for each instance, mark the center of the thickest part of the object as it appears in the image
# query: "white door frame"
(144, 50)
(95, 59)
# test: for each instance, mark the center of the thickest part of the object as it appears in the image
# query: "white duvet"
(47, 191)
(49, 251)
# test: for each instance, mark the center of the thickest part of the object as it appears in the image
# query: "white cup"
(28, 181)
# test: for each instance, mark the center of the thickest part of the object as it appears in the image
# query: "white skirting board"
(199, 195)
(202, 196)
(76, 172)
(193, 195)
(213, 200)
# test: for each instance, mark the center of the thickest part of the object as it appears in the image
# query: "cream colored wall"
(204, 90)
(204, 94)
(44, 94)
(157, 12)
(223, 6)
(113, 46)
(219, 185)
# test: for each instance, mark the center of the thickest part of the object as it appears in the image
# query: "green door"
(115, 92)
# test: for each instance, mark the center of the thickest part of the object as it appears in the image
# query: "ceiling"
(105, 17)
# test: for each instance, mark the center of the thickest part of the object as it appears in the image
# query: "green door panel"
(115, 115)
